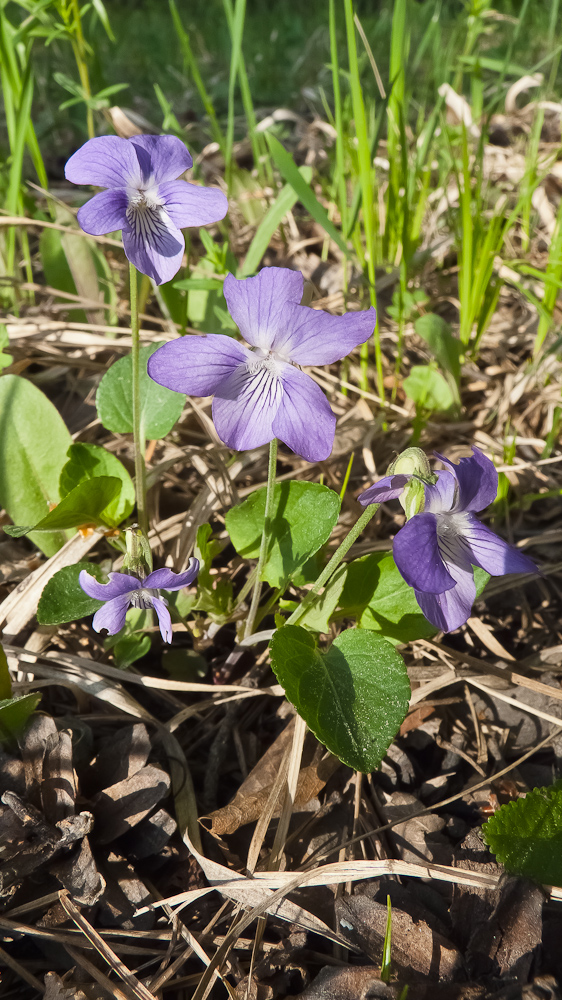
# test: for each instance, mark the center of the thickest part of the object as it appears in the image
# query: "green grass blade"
(235, 18)
(386, 970)
(552, 280)
(466, 262)
(13, 198)
(256, 140)
(284, 202)
(368, 197)
(291, 173)
(341, 185)
(192, 67)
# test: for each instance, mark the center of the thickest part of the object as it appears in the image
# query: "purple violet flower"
(436, 549)
(261, 393)
(124, 591)
(143, 198)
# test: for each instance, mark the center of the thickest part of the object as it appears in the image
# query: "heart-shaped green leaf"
(160, 407)
(303, 517)
(353, 698)
(63, 599)
(438, 335)
(377, 596)
(428, 389)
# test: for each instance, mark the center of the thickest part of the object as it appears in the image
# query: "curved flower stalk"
(259, 392)
(437, 548)
(124, 591)
(144, 198)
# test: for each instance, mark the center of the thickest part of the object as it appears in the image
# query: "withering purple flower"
(436, 549)
(143, 198)
(260, 393)
(124, 591)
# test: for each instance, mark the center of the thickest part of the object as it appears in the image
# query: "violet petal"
(304, 420)
(257, 305)
(477, 479)
(166, 579)
(491, 553)
(161, 157)
(450, 609)
(153, 248)
(197, 365)
(418, 557)
(106, 212)
(164, 620)
(106, 161)
(314, 337)
(387, 488)
(440, 496)
(191, 205)
(112, 615)
(119, 584)
(245, 405)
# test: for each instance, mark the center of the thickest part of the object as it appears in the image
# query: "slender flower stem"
(336, 559)
(270, 491)
(139, 442)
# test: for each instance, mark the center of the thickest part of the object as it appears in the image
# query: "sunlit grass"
(374, 79)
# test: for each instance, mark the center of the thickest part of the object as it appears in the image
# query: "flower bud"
(138, 558)
(413, 462)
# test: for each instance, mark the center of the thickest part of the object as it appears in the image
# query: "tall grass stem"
(368, 197)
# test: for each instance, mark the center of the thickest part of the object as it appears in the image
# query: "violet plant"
(353, 695)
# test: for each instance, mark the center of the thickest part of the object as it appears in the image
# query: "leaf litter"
(120, 876)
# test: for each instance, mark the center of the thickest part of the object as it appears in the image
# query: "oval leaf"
(85, 504)
(34, 441)
(160, 407)
(90, 461)
(63, 599)
(353, 698)
(303, 518)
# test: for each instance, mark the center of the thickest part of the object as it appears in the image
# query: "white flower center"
(450, 526)
(268, 361)
(143, 598)
(452, 530)
(145, 210)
